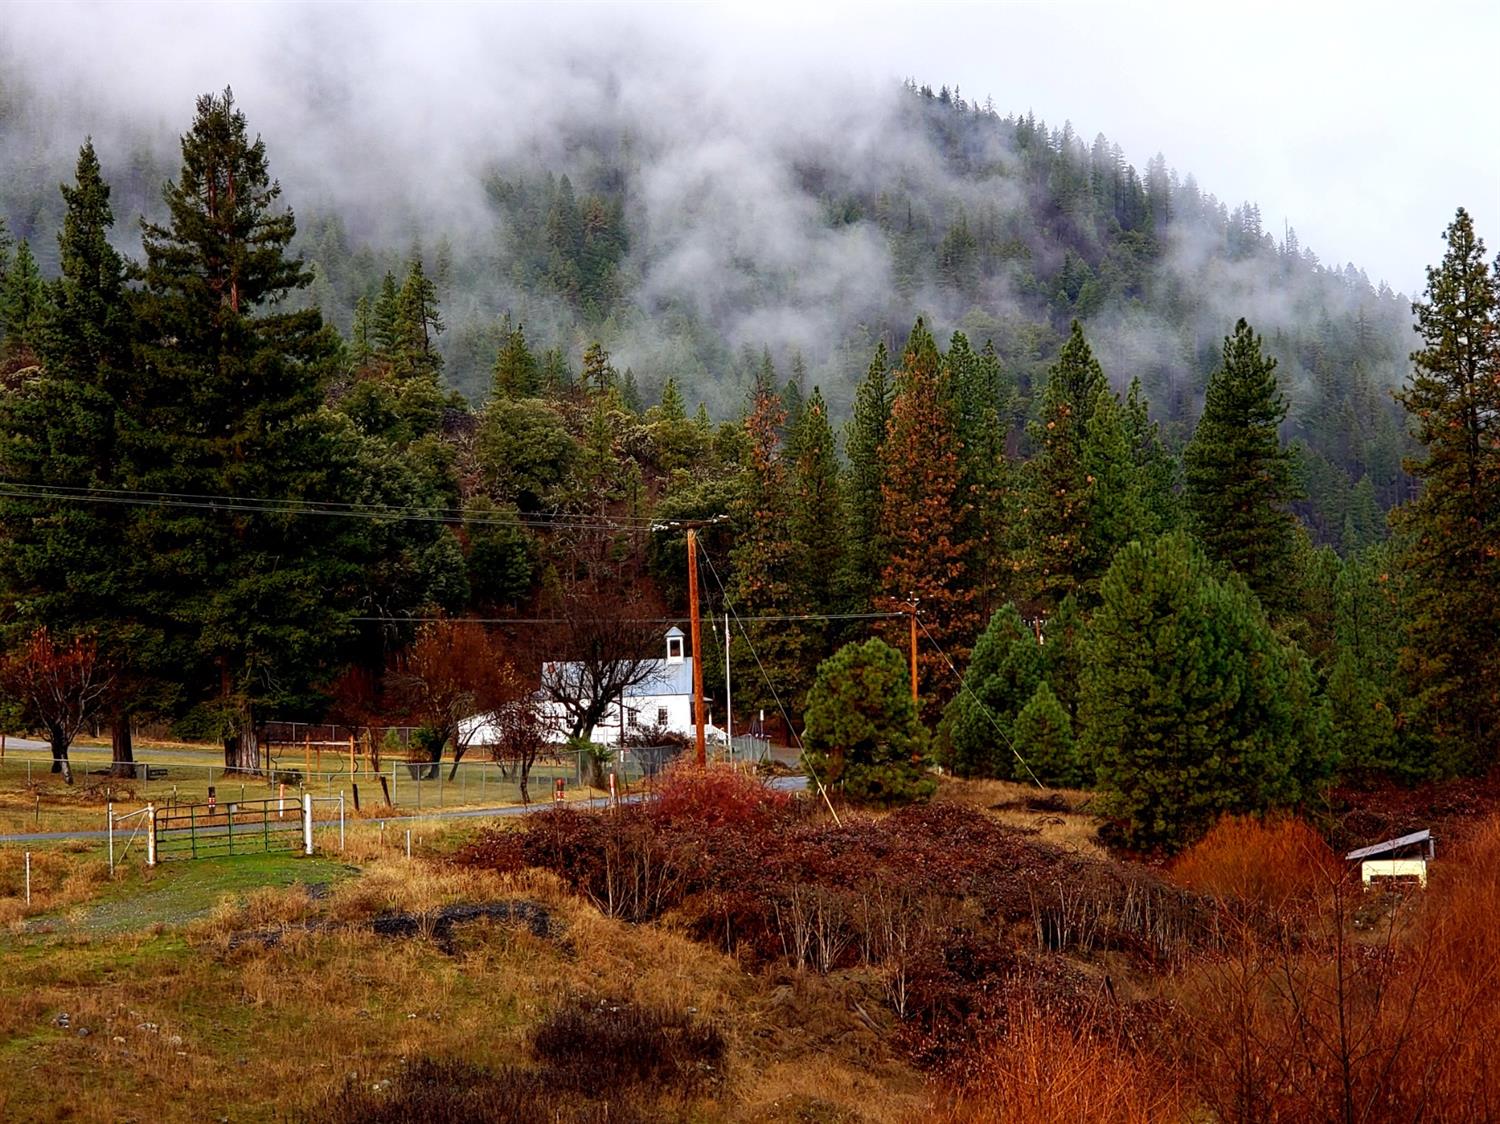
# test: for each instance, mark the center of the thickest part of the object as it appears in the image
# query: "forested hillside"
(694, 262)
(1124, 475)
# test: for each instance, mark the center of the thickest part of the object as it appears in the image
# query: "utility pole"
(692, 551)
(728, 698)
(914, 652)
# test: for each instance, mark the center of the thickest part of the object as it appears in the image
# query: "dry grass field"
(730, 955)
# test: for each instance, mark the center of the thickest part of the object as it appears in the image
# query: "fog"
(391, 116)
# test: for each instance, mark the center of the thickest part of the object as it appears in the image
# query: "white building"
(662, 701)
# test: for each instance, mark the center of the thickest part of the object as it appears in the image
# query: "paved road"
(782, 784)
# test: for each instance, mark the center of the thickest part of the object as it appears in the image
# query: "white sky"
(1362, 125)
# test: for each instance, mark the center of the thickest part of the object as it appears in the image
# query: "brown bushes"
(599, 1060)
(1046, 1070)
(1275, 864)
(924, 898)
(456, 1092)
(1352, 1005)
(600, 1046)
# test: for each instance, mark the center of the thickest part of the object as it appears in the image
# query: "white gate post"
(307, 842)
(150, 834)
(110, 815)
(341, 820)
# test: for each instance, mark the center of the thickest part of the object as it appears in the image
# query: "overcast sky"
(1362, 125)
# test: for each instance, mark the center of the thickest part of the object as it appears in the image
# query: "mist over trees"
(810, 241)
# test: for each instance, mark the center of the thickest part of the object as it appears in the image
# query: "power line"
(987, 712)
(637, 620)
(259, 505)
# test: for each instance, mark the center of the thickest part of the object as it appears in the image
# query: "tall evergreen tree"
(923, 515)
(23, 301)
(387, 309)
(418, 323)
(1191, 706)
(516, 373)
(228, 404)
(766, 566)
(63, 565)
(864, 435)
(1156, 468)
(1452, 529)
(1237, 475)
(817, 517)
(1071, 522)
(983, 404)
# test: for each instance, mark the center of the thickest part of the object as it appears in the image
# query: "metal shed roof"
(1389, 845)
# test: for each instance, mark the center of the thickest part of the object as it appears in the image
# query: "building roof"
(1389, 845)
(666, 678)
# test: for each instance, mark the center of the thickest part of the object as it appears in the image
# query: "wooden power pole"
(692, 545)
(914, 653)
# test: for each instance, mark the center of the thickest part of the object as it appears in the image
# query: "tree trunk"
(242, 746)
(122, 746)
(60, 763)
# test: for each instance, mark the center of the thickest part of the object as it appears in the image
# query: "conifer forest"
(1011, 468)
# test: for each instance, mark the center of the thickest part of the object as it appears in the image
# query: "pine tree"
(599, 376)
(228, 401)
(1451, 531)
(766, 566)
(976, 736)
(923, 514)
(1191, 706)
(63, 563)
(383, 331)
(817, 517)
(864, 435)
(1155, 467)
(362, 334)
(1060, 497)
(23, 301)
(863, 733)
(417, 326)
(516, 374)
(1237, 475)
(1044, 738)
(983, 401)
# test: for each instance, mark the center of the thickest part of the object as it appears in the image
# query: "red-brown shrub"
(1046, 1069)
(716, 797)
(1275, 863)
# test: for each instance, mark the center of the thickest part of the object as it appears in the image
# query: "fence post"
(341, 819)
(393, 784)
(150, 834)
(307, 842)
(28, 877)
(110, 816)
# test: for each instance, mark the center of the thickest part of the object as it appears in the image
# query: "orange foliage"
(1043, 1072)
(1355, 1006)
(1276, 863)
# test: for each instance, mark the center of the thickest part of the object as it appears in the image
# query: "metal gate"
(240, 827)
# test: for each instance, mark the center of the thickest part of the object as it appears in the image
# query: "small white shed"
(1406, 856)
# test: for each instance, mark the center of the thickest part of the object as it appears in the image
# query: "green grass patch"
(178, 892)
